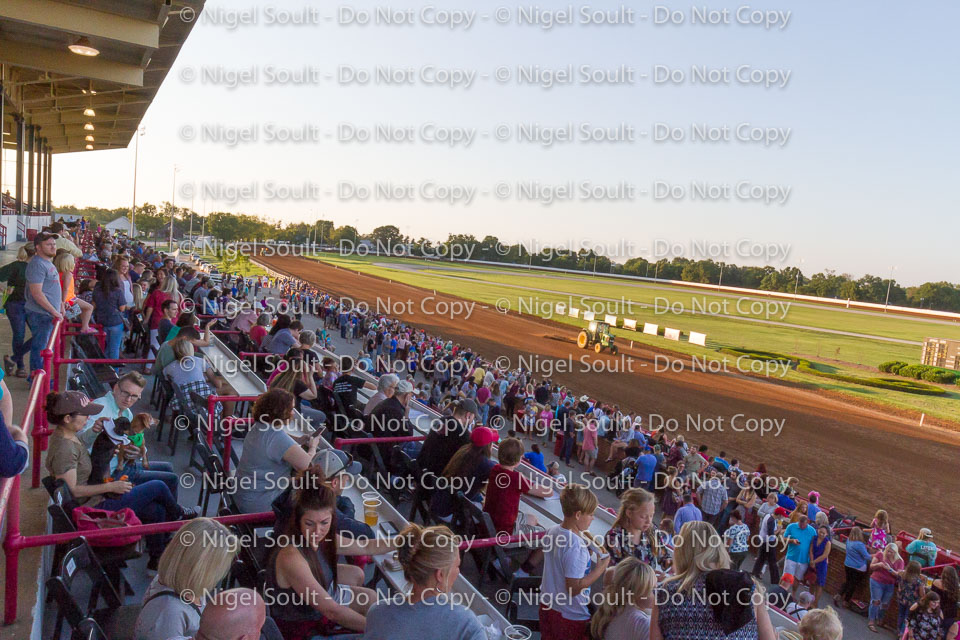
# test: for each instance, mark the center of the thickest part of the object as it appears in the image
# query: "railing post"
(227, 443)
(39, 444)
(12, 554)
(211, 412)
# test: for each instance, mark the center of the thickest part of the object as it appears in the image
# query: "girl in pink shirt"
(588, 451)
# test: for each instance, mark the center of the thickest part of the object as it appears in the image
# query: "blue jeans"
(41, 324)
(880, 595)
(152, 502)
(114, 340)
(158, 470)
(18, 324)
(569, 442)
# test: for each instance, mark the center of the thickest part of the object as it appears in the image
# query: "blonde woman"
(73, 306)
(633, 533)
(193, 564)
(682, 602)
(192, 373)
(885, 567)
(431, 563)
(623, 612)
(820, 624)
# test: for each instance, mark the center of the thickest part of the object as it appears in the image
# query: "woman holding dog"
(68, 460)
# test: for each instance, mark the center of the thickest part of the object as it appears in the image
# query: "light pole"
(173, 206)
(889, 284)
(796, 287)
(136, 156)
(191, 220)
(720, 282)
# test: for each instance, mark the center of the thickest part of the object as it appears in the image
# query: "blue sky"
(871, 104)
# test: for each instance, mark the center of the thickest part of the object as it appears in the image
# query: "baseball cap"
(471, 406)
(482, 436)
(334, 462)
(404, 387)
(70, 402)
(43, 237)
(925, 533)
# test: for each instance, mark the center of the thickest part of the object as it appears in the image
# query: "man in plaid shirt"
(713, 497)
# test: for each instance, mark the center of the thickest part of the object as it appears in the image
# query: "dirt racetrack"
(859, 459)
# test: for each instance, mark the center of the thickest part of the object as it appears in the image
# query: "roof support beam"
(33, 57)
(82, 21)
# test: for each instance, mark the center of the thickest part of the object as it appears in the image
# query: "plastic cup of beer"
(517, 632)
(369, 495)
(370, 507)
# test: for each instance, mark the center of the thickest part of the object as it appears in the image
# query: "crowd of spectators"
(687, 521)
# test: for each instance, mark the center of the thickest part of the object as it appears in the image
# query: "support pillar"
(31, 148)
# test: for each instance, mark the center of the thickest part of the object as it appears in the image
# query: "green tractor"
(597, 334)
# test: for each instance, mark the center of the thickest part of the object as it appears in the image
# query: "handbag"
(93, 519)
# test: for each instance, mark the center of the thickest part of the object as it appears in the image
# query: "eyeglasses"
(127, 394)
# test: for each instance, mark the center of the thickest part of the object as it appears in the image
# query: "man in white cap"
(389, 419)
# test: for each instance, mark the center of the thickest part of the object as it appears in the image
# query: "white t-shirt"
(567, 557)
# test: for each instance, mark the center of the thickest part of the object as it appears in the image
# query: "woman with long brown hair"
(310, 593)
(947, 586)
(468, 471)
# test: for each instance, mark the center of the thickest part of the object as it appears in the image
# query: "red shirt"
(257, 332)
(503, 497)
(154, 301)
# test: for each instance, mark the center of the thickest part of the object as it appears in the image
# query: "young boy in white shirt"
(568, 570)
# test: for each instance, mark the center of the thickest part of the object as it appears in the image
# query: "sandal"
(9, 365)
(872, 627)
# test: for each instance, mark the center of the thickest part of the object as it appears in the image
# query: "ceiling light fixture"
(89, 112)
(89, 138)
(89, 126)
(89, 147)
(82, 47)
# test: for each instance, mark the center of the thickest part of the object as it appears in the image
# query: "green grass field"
(804, 330)
(240, 264)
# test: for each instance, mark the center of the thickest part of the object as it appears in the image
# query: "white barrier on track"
(630, 324)
(611, 320)
(574, 312)
(650, 329)
(698, 338)
(561, 309)
(589, 316)
(671, 334)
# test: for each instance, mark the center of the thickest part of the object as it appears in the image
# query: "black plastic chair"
(523, 607)
(113, 559)
(117, 619)
(213, 478)
(88, 629)
(500, 560)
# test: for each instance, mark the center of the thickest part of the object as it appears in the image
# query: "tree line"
(154, 220)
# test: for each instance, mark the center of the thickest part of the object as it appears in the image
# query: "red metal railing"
(228, 432)
(339, 443)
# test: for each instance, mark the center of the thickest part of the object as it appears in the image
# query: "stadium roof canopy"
(58, 90)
